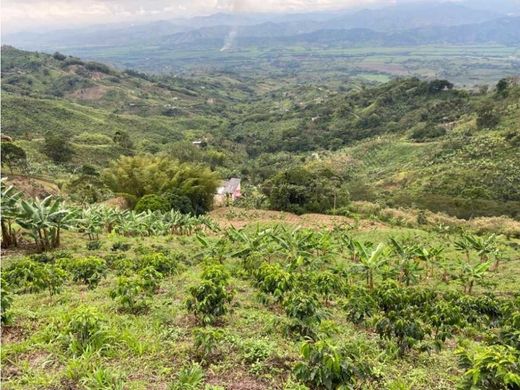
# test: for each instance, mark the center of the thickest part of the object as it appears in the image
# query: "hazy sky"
(19, 15)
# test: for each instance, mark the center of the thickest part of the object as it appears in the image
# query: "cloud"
(52, 14)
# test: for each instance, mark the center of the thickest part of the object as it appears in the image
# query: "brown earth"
(239, 217)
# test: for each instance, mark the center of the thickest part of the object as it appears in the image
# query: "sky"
(21, 15)
(31, 15)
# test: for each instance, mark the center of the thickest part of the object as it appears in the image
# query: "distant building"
(228, 192)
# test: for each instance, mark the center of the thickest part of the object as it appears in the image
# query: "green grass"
(150, 349)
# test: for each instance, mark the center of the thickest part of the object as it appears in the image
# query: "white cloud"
(51, 14)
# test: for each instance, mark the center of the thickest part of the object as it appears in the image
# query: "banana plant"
(370, 260)
(407, 264)
(472, 274)
(10, 208)
(44, 220)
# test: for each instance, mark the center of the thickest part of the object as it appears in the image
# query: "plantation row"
(379, 288)
(44, 220)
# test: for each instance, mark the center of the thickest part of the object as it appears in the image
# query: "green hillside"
(407, 142)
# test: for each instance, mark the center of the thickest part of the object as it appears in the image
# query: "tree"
(502, 86)
(58, 147)
(487, 117)
(122, 139)
(152, 202)
(144, 174)
(439, 85)
(13, 156)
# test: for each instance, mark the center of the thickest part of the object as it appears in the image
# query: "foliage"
(143, 174)
(44, 220)
(489, 367)
(85, 329)
(27, 275)
(88, 270)
(152, 202)
(326, 366)
(132, 293)
(6, 302)
(9, 212)
(13, 156)
(58, 147)
(209, 300)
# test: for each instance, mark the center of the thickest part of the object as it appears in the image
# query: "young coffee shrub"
(273, 279)
(131, 294)
(210, 299)
(163, 263)
(207, 341)
(6, 301)
(88, 270)
(489, 367)
(326, 366)
(29, 276)
(120, 246)
(303, 310)
(93, 245)
(85, 329)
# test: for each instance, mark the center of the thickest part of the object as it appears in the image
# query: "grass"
(153, 348)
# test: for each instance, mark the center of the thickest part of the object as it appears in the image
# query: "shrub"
(131, 294)
(189, 378)
(273, 279)
(152, 202)
(257, 350)
(6, 301)
(93, 245)
(490, 367)
(26, 275)
(89, 270)
(428, 132)
(207, 341)
(208, 301)
(165, 264)
(58, 56)
(85, 329)
(326, 366)
(303, 310)
(120, 246)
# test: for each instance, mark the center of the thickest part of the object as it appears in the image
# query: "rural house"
(228, 191)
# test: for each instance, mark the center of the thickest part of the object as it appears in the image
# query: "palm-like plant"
(44, 220)
(370, 260)
(9, 210)
(471, 274)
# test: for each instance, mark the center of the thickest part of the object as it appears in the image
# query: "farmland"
(248, 299)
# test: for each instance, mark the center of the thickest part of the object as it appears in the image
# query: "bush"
(273, 279)
(207, 341)
(209, 300)
(120, 246)
(132, 293)
(428, 132)
(490, 367)
(93, 245)
(165, 264)
(303, 310)
(26, 276)
(152, 202)
(6, 301)
(89, 270)
(326, 366)
(85, 329)
(58, 56)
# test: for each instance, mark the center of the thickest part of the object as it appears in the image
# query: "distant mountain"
(408, 16)
(396, 18)
(504, 31)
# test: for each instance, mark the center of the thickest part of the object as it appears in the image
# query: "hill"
(408, 142)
